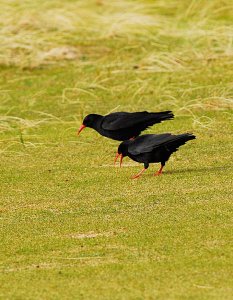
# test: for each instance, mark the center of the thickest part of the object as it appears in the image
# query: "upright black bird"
(152, 148)
(122, 126)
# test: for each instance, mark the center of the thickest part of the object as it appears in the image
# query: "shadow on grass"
(203, 169)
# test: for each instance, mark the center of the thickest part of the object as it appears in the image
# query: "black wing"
(123, 120)
(148, 142)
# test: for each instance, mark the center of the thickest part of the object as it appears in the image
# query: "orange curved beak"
(80, 129)
(121, 158)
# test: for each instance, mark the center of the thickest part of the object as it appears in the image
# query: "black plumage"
(123, 126)
(153, 148)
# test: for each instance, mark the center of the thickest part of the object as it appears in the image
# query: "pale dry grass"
(33, 34)
(143, 41)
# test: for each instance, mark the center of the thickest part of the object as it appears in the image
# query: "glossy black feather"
(149, 142)
(122, 126)
(122, 120)
(152, 148)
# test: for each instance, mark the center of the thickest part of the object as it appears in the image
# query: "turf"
(72, 225)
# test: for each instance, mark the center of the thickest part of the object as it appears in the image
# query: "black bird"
(152, 148)
(122, 126)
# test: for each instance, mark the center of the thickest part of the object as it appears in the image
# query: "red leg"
(132, 138)
(159, 172)
(116, 157)
(121, 158)
(139, 174)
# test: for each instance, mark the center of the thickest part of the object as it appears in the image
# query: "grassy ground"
(72, 225)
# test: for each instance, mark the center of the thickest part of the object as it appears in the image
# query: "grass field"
(72, 225)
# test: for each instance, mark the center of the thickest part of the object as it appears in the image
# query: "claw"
(139, 174)
(135, 176)
(159, 172)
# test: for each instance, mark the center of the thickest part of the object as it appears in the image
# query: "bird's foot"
(135, 176)
(139, 174)
(158, 173)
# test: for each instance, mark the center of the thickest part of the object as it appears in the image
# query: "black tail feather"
(179, 140)
(158, 117)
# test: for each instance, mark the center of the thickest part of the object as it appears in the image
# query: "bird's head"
(122, 151)
(89, 121)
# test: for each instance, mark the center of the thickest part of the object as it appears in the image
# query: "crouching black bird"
(152, 148)
(122, 126)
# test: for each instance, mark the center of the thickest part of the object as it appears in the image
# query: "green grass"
(72, 225)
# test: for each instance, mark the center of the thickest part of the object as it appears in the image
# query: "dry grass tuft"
(30, 34)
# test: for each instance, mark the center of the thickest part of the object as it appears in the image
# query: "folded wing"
(122, 120)
(149, 142)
